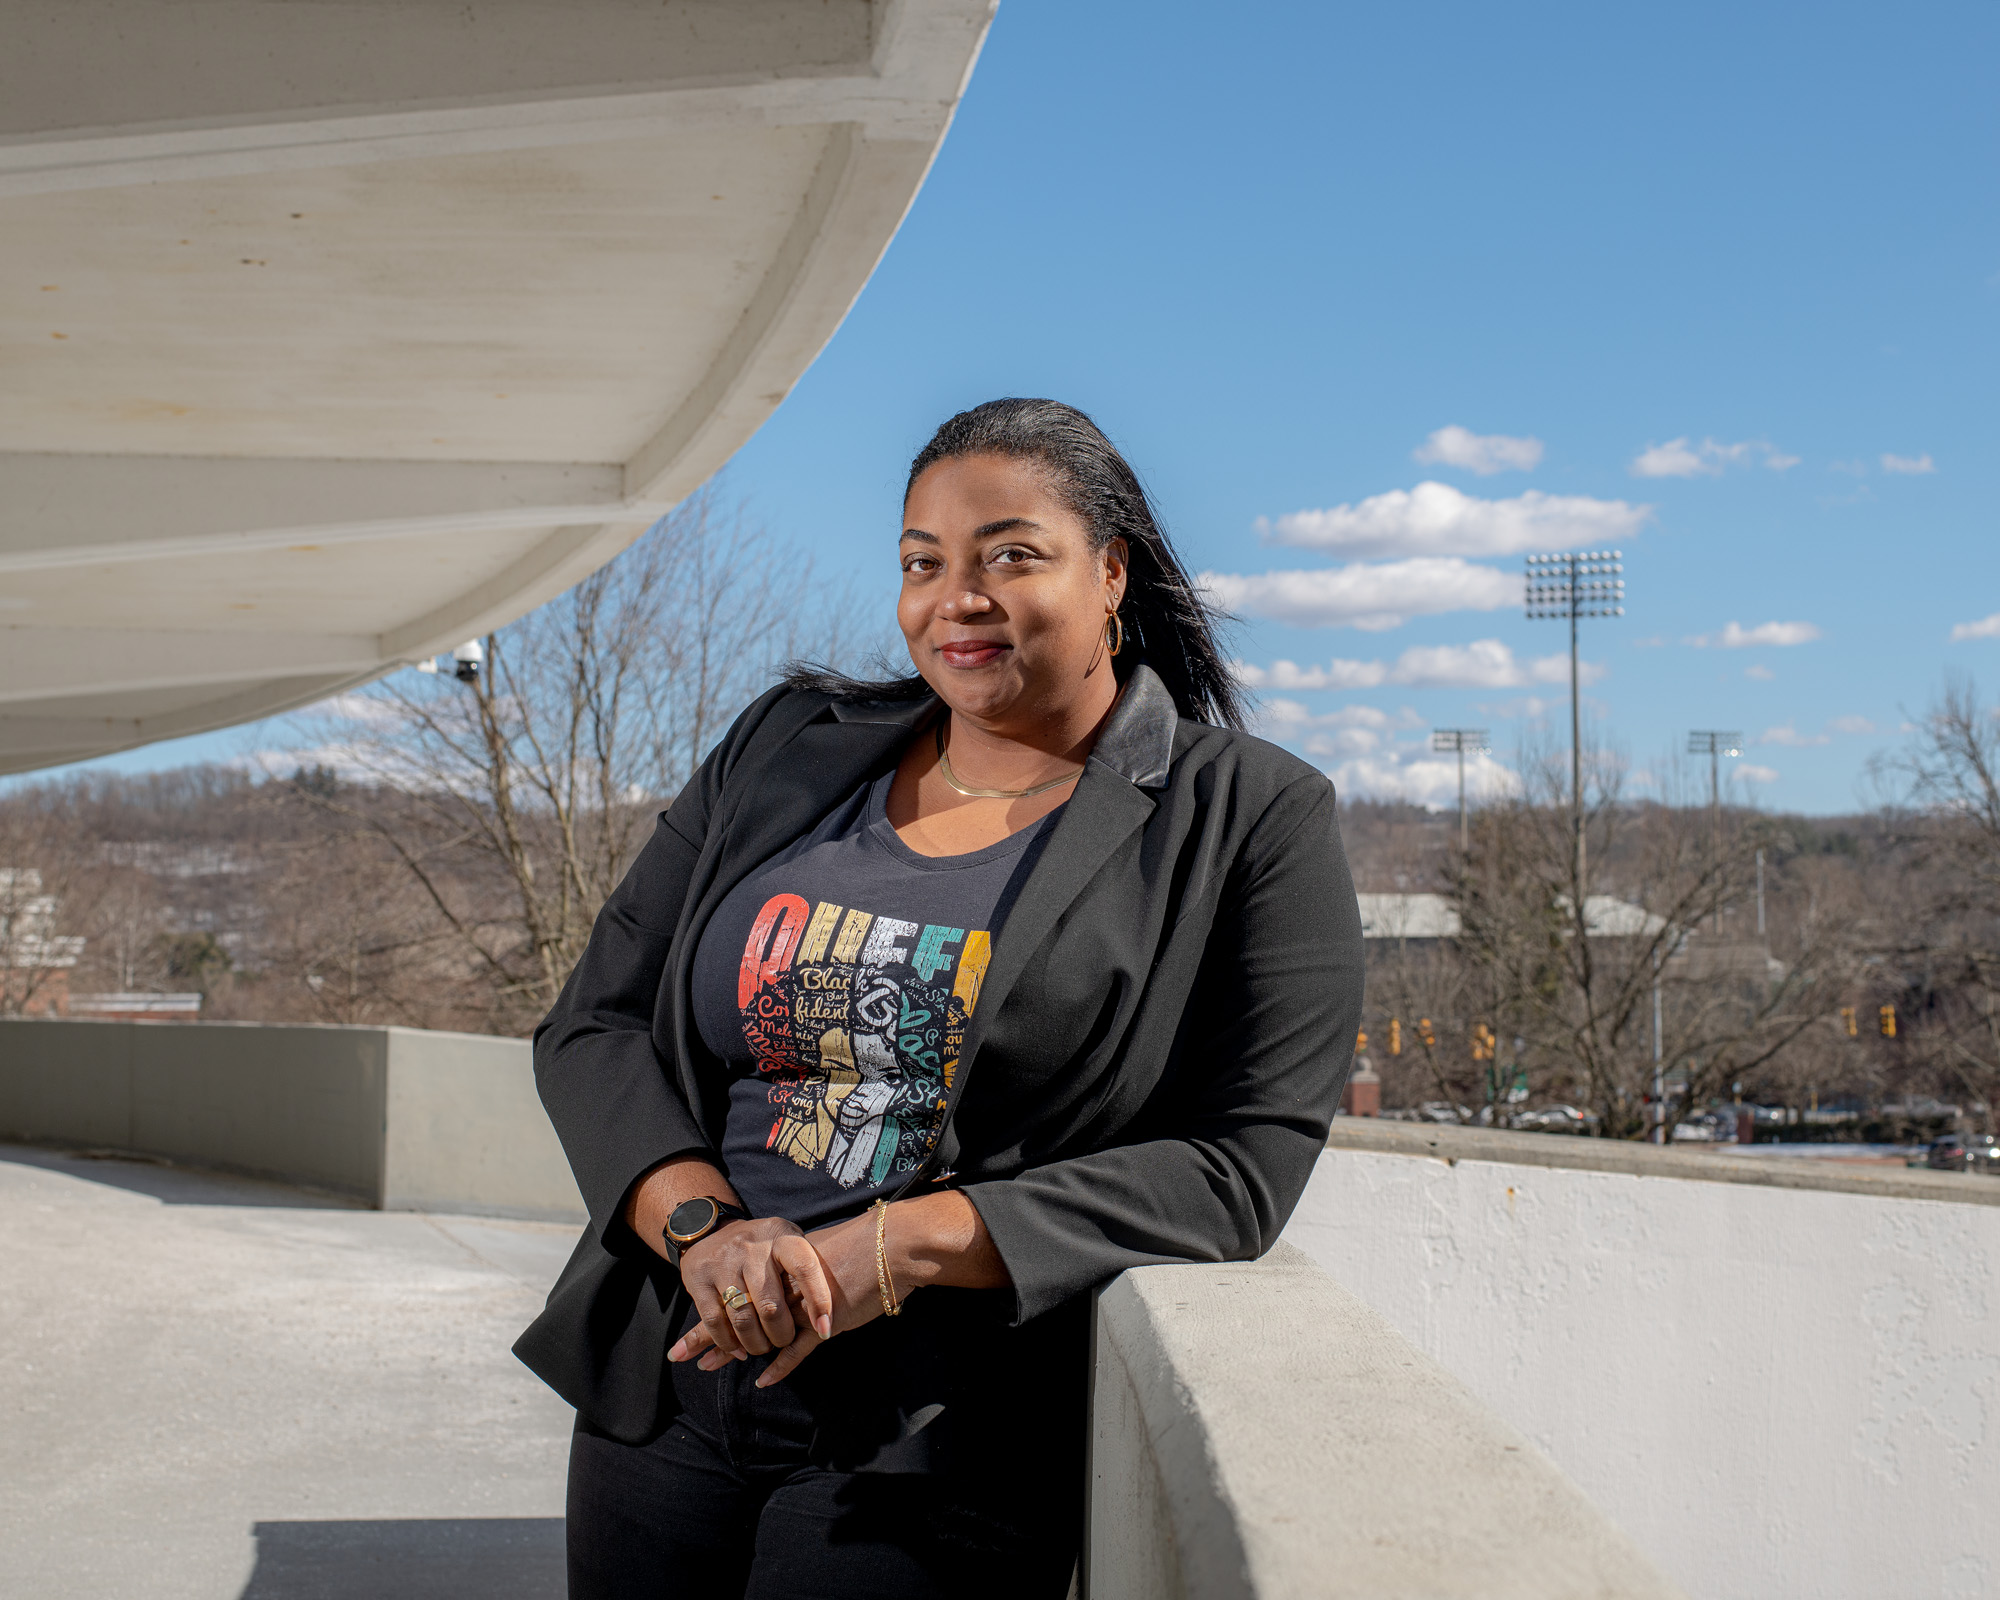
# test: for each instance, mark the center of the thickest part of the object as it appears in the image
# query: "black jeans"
(746, 1493)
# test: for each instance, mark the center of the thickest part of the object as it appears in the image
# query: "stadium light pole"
(1461, 740)
(1715, 743)
(1569, 585)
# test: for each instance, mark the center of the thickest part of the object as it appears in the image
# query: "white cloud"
(1985, 628)
(1434, 519)
(1343, 742)
(1912, 465)
(1483, 664)
(350, 761)
(1529, 706)
(356, 706)
(1851, 725)
(1750, 773)
(1346, 731)
(1790, 737)
(1734, 636)
(1289, 714)
(1366, 597)
(1415, 774)
(1290, 675)
(1760, 672)
(1671, 460)
(1483, 453)
(1677, 458)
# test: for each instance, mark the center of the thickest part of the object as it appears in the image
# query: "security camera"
(465, 661)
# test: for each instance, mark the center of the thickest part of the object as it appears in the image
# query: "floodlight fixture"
(1566, 586)
(1715, 743)
(1464, 741)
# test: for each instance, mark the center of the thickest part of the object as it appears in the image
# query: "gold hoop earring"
(1114, 634)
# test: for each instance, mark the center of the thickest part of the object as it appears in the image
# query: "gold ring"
(735, 1298)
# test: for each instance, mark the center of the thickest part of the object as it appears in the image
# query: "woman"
(931, 1006)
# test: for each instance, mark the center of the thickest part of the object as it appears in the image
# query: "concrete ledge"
(1257, 1431)
(1442, 1142)
(403, 1119)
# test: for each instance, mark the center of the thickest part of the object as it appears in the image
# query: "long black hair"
(1169, 623)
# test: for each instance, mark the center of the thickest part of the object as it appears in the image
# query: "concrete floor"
(218, 1389)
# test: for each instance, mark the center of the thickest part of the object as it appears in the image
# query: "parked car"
(1708, 1127)
(1554, 1119)
(1965, 1152)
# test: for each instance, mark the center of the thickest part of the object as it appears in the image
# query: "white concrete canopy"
(336, 332)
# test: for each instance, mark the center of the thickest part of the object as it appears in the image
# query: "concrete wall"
(1257, 1431)
(1777, 1391)
(403, 1119)
(465, 1130)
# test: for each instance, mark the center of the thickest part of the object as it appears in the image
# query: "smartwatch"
(694, 1220)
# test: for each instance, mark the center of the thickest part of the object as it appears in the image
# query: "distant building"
(1408, 916)
(1433, 916)
(1363, 1095)
(137, 1007)
(34, 958)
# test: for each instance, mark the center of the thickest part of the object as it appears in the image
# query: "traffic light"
(1395, 1037)
(1361, 1040)
(1483, 1042)
(1847, 1021)
(1424, 1033)
(1888, 1016)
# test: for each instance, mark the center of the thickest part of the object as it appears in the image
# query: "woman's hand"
(835, 1293)
(787, 1293)
(938, 1238)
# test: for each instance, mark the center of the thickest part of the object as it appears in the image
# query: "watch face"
(691, 1218)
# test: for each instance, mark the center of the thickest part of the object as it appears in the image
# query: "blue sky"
(1727, 267)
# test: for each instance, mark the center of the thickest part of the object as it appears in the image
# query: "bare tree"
(1425, 993)
(1943, 943)
(46, 891)
(1579, 971)
(515, 800)
(347, 937)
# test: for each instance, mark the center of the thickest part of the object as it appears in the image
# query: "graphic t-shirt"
(836, 981)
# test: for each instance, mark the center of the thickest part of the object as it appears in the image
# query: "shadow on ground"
(171, 1182)
(457, 1558)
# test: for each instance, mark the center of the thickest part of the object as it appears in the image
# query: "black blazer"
(1157, 1051)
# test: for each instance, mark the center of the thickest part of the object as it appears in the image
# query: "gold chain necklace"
(966, 789)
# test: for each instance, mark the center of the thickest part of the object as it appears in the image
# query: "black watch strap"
(694, 1220)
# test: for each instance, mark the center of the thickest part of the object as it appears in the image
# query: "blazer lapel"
(783, 796)
(1102, 814)
(1111, 802)
(799, 783)
(764, 808)
(768, 806)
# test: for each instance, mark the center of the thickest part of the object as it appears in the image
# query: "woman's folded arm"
(1225, 1152)
(615, 1104)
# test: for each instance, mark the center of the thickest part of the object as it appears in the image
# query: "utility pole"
(1715, 743)
(1566, 585)
(1659, 1070)
(1461, 740)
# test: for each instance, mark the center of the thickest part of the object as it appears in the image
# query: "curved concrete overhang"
(337, 333)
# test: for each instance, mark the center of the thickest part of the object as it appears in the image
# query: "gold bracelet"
(884, 1284)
